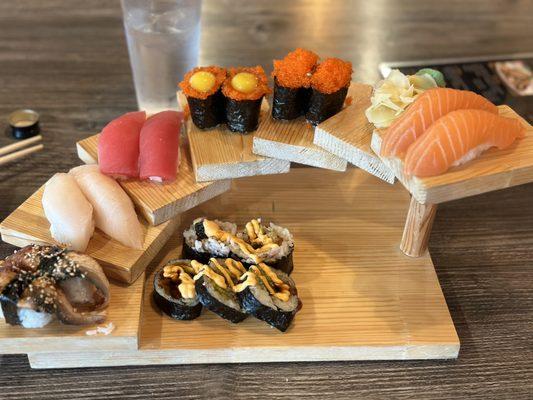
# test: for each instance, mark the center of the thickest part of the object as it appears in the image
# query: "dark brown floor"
(68, 60)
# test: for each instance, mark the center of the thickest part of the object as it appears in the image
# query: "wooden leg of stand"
(417, 228)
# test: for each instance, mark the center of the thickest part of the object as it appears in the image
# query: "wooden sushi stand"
(363, 299)
(493, 170)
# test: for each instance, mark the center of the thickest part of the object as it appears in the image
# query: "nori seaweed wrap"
(175, 291)
(329, 85)
(198, 246)
(269, 295)
(244, 89)
(203, 88)
(292, 79)
(215, 284)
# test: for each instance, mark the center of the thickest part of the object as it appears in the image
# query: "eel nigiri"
(114, 213)
(159, 146)
(41, 283)
(118, 146)
(459, 137)
(428, 108)
(69, 212)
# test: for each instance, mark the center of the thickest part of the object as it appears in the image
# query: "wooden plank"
(348, 135)
(362, 297)
(28, 224)
(493, 170)
(218, 153)
(160, 202)
(293, 140)
(124, 312)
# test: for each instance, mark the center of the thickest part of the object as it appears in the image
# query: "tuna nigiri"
(69, 212)
(427, 108)
(113, 210)
(159, 146)
(118, 145)
(458, 137)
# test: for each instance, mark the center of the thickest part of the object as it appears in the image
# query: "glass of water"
(163, 41)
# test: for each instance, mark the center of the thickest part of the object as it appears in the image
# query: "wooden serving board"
(363, 299)
(349, 134)
(293, 140)
(160, 202)
(218, 153)
(124, 312)
(28, 224)
(492, 170)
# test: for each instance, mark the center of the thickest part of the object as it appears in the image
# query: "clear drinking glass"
(163, 41)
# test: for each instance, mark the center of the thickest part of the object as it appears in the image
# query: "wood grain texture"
(124, 312)
(161, 202)
(218, 153)
(362, 298)
(293, 140)
(69, 61)
(28, 224)
(492, 170)
(348, 135)
(417, 228)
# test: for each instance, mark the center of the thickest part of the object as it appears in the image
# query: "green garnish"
(437, 75)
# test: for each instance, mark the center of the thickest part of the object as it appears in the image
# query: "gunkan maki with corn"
(175, 292)
(329, 84)
(292, 81)
(203, 88)
(244, 89)
(215, 286)
(269, 295)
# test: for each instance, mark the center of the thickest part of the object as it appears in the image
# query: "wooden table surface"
(68, 60)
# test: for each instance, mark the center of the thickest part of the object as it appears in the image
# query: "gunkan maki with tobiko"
(292, 81)
(215, 286)
(244, 89)
(269, 295)
(175, 292)
(203, 88)
(329, 85)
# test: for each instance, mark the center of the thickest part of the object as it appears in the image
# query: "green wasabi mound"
(437, 75)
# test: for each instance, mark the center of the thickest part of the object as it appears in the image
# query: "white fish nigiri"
(113, 210)
(69, 212)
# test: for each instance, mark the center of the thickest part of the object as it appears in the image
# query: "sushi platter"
(386, 306)
(159, 203)
(28, 224)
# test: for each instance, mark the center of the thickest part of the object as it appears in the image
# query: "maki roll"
(292, 80)
(269, 295)
(329, 85)
(202, 87)
(206, 239)
(272, 245)
(175, 292)
(244, 89)
(215, 286)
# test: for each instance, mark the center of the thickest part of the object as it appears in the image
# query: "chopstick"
(13, 155)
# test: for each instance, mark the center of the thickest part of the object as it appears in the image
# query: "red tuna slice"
(159, 144)
(118, 145)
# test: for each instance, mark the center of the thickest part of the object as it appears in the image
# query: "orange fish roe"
(262, 84)
(189, 91)
(331, 75)
(348, 101)
(295, 70)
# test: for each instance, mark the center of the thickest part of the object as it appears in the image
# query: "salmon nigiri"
(459, 137)
(159, 146)
(427, 108)
(118, 145)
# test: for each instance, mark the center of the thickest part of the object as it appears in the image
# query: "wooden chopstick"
(19, 145)
(19, 154)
